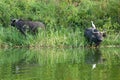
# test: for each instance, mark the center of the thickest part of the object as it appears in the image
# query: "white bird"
(93, 25)
(93, 66)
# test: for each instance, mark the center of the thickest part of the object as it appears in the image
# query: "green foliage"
(54, 13)
(4, 15)
(65, 20)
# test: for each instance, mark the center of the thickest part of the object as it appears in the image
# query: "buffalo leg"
(22, 31)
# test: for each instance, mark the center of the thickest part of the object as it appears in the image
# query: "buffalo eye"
(13, 21)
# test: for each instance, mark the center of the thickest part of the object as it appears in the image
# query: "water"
(60, 64)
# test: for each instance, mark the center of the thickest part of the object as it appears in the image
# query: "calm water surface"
(60, 64)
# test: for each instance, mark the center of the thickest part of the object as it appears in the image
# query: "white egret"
(93, 25)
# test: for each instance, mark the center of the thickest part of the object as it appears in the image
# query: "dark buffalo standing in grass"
(27, 26)
(92, 35)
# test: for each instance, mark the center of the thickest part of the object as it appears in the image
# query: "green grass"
(63, 37)
(112, 39)
(65, 21)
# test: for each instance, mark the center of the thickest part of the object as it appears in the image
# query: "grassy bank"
(51, 38)
(63, 37)
(65, 21)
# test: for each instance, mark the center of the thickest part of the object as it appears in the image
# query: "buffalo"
(27, 26)
(92, 35)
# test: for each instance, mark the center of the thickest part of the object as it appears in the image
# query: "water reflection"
(94, 56)
(59, 64)
(21, 60)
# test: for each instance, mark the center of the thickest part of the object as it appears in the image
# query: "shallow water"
(60, 64)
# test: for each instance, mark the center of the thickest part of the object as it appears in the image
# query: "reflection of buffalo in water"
(23, 26)
(94, 56)
(20, 60)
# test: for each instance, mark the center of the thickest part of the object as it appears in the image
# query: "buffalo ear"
(104, 34)
(13, 20)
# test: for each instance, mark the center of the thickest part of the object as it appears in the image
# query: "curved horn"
(16, 20)
(94, 31)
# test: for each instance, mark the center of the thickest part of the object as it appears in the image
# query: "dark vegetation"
(65, 21)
